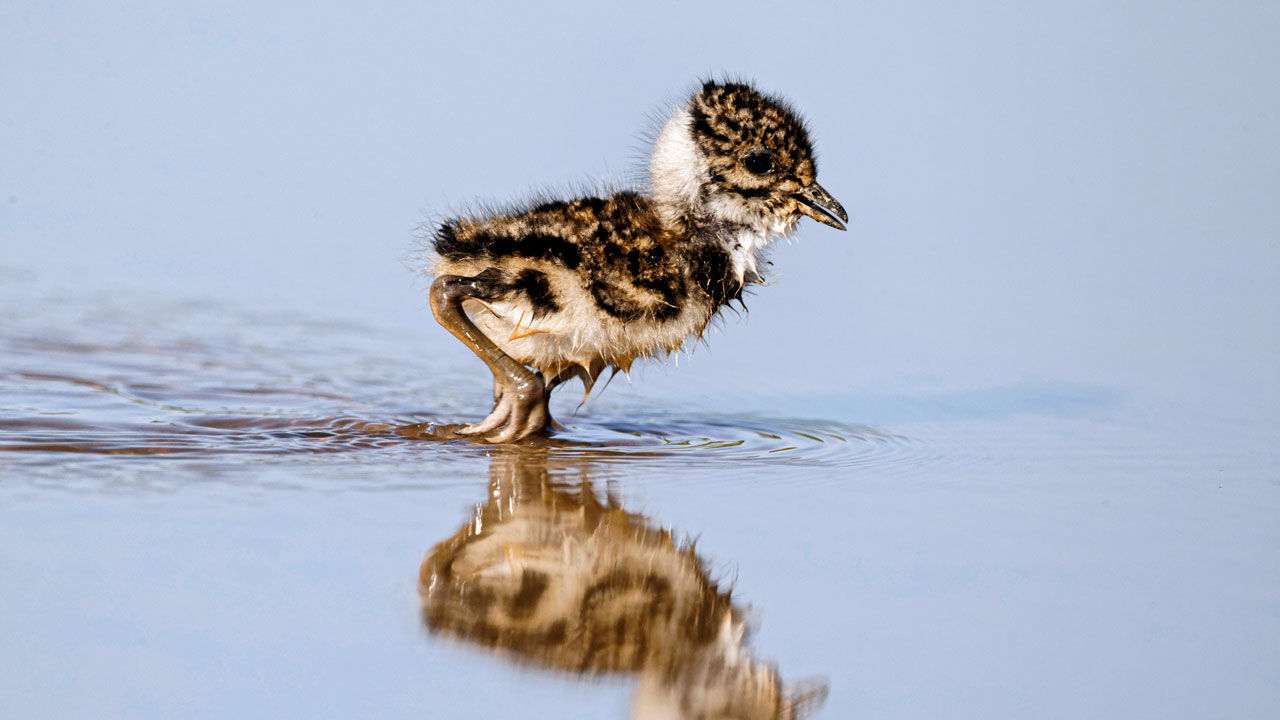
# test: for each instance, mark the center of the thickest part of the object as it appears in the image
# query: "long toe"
(524, 422)
(501, 414)
(535, 421)
(527, 412)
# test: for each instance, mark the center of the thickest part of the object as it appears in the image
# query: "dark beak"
(818, 204)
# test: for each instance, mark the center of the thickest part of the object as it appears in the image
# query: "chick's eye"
(759, 162)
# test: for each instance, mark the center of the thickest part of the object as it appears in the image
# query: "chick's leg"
(519, 395)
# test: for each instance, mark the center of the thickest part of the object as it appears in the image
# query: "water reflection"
(549, 574)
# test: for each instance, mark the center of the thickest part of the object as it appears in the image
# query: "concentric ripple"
(60, 414)
(92, 387)
(718, 440)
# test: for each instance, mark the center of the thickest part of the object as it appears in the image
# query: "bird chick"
(570, 288)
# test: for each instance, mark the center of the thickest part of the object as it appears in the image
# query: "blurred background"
(1047, 346)
(1079, 192)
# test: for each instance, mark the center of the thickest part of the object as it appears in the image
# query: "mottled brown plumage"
(571, 288)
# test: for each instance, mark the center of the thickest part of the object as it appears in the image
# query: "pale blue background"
(1062, 214)
(1081, 191)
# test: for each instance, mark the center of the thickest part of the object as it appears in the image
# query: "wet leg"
(519, 395)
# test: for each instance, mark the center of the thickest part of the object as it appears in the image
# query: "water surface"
(1007, 448)
(213, 511)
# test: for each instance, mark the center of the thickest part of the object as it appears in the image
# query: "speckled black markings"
(496, 245)
(713, 272)
(702, 126)
(492, 284)
(616, 242)
(537, 288)
(666, 261)
(729, 115)
(671, 289)
(610, 299)
(446, 241)
(549, 207)
(628, 262)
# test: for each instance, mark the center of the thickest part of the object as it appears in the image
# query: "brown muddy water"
(212, 511)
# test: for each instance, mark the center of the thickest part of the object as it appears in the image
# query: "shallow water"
(116, 380)
(212, 511)
(1006, 448)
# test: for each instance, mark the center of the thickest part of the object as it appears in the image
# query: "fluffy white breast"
(747, 243)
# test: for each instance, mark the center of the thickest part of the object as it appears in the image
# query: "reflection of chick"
(552, 577)
(570, 288)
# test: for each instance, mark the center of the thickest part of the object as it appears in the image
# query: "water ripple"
(92, 388)
(711, 439)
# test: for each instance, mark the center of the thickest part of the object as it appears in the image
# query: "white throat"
(746, 247)
(677, 170)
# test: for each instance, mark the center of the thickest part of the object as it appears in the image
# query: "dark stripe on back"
(483, 244)
(611, 301)
(670, 288)
(537, 288)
